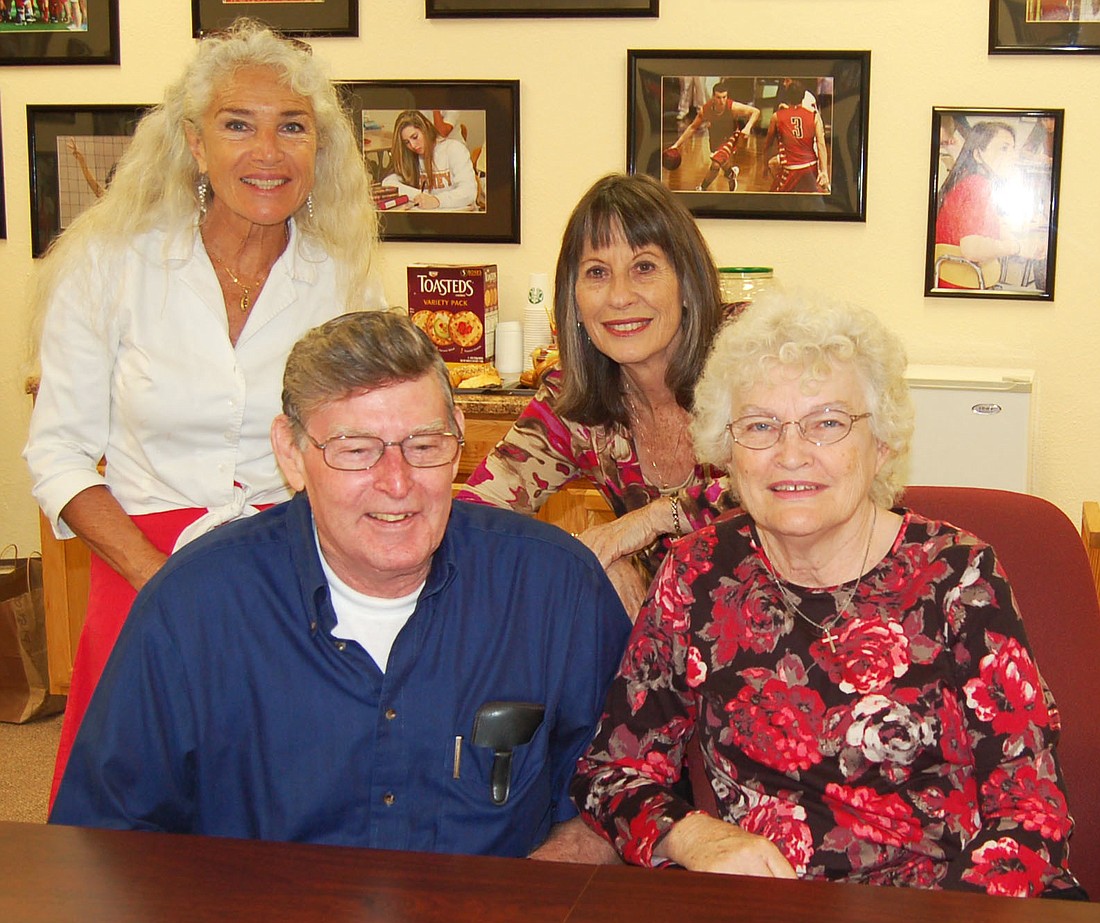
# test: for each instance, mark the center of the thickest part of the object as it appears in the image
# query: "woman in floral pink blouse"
(636, 306)
(858, 677)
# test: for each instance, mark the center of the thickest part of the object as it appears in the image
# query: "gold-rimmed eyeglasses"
(822, 427)
(354, 452)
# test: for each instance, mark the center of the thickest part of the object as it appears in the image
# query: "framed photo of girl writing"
(443, 9)
(443, 156)
(993, 203)
(753, 134)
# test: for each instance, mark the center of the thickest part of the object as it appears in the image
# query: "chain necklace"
(246, 290)
(637, 442)
(826, 628)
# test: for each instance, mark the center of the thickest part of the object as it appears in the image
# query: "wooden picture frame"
(467, 9)
(94, 42)
(290, 17)
(484, 115)
(1044, 26)
(683, 100)
(73, 150)
(993, 203)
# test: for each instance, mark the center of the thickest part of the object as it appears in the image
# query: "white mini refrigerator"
(973, 426)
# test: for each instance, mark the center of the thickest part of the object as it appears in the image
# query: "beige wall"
(573, 128)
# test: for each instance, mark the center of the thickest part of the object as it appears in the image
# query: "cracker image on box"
(456, 306)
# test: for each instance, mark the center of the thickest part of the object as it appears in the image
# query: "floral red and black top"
(920, 753)
(543, 451)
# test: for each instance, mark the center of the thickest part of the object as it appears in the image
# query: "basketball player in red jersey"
(724, 117)
(803, 161)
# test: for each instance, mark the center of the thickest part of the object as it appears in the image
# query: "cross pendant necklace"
(826, 628)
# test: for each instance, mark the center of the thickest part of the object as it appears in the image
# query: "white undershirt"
(372, 622)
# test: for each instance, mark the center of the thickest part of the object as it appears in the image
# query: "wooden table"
(69, 874)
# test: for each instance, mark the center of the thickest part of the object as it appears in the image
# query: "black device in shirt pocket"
(503, 726)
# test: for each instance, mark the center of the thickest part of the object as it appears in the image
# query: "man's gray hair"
(354, 353)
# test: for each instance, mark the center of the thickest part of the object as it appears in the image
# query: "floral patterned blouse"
(920, 753)
(544, 451)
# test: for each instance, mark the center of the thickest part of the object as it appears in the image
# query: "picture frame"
(993, 203)
(1044, 26)
(73, 150)
(484, 114)
(3, 199)
(802, 99)
(303, 18)
(57, 43)
(467, 9)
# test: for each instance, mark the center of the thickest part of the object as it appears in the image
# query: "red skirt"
(110, 597)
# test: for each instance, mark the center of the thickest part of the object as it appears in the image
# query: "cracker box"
(457, 307)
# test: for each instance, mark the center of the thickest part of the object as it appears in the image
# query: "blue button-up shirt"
(229, 708)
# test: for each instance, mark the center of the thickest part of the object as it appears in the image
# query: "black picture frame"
(993, 203)
(468, 9)
(1030, 27)
(3, 199)
(55, 43)
(306, 18)
(836, 85)
(60, 186)
(489, 110)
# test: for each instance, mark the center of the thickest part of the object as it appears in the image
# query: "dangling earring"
(309, 206)
(200, 190)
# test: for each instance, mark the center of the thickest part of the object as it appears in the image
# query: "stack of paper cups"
(536, 316)
(509, 348)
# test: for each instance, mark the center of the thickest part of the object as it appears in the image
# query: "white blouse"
(146, 376)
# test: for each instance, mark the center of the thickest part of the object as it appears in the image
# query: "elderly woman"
(432, 170)
(239, 218)
(636, 305)
(857, 676)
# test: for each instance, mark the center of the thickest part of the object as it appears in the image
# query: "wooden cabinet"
(488, 417)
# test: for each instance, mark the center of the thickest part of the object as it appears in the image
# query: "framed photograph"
(61, 35)
(73, 153)
(1044, 26)
(455, 9)
(444, 156)
(3, 202)
(753, 134)
(993, 203)
(291, 17)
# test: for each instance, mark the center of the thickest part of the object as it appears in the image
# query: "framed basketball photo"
(443, 156)
(993, 203)
(291, 17)
(753, 134)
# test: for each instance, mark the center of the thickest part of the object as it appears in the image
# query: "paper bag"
(24, 672)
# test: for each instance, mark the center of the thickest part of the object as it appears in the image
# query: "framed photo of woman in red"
(993, 203)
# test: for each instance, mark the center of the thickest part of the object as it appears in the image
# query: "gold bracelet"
(675, 501)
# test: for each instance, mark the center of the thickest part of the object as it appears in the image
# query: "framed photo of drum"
(73, 153)
(753, 134)
(443, 156)
(1044, 26)
(291, 17)
(447, 9)
(993, 203)
(59, 33)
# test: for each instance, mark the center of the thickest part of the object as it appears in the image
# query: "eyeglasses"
(358, 453)
(822, 427)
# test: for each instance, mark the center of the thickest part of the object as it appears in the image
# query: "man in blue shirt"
(320, 672)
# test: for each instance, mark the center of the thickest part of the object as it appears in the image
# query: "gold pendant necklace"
(246, 290)
(636, 436)
(826, 628)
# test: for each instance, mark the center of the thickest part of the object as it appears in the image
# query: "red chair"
(1045, 559)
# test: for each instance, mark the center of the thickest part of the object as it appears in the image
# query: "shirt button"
(390, 714)
(313, 626)
(340, 645)
(388, 799)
